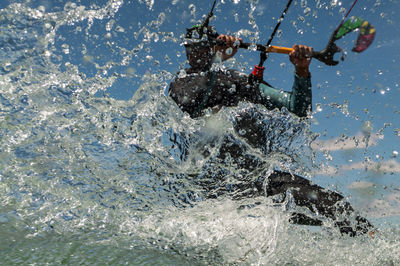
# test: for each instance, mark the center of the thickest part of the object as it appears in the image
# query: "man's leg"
(318, 200)
(306, 194)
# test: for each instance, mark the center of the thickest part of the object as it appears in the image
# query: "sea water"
(88, 179)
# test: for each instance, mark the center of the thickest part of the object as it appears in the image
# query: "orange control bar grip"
(279, 50)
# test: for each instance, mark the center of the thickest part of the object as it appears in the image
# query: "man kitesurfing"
(202, 87)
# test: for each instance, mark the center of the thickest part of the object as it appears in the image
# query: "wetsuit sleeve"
(301, 100)
(298, 101)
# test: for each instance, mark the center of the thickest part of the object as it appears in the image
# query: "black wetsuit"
(199, 88)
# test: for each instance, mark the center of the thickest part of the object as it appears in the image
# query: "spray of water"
(84, 176)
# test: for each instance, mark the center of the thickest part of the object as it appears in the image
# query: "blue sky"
(361, 94)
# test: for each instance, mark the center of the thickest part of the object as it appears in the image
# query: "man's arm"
(301, 96)
(301, 58)
(229, 47)
(299, 101)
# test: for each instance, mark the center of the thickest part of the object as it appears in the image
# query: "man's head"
(198, 54)
(198, 45)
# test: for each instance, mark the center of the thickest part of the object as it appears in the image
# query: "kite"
(366, 36)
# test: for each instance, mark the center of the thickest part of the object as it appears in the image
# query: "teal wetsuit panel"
(278, 98)
(298, 101)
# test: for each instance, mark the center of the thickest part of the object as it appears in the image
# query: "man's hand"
(301, 59)
(230, 47)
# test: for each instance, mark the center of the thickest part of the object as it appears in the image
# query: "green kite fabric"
(366, 36)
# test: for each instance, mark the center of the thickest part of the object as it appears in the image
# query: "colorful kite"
(366, 36)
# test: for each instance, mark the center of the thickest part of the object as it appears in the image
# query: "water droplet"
(236, 17)
(229, 51)
(232, 89)
(283, 65)
(303, 3)
(380, 72)
(301, 18)
(65, 48)
(47, 53)
(377, 3)
(120, 29)
(161, 18)
(395, 153)
(251, 21)
(192, 9)
(42, 9)
(182, 73)
(279, 33)
(307, 11)
(7, 66)
(69, 6)
(149, 4)
(253, 47)
(110, 25)
(367, 128)
(334, 3)
(300, 31)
